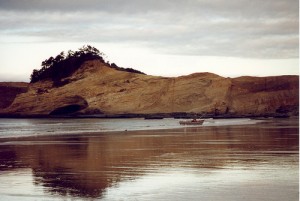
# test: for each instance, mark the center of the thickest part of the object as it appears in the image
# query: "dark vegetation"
(63, 65)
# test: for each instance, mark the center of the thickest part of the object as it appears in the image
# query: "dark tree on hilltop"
(61, 66)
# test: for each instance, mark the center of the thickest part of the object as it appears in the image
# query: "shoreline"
(219, 123)
(175, 115)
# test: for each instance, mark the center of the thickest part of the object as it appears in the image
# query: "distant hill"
(9, 91)
(96, 88)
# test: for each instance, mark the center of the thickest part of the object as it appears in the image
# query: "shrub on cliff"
(131, 70)
(61, 66)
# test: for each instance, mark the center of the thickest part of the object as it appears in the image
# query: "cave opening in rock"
(69, 109)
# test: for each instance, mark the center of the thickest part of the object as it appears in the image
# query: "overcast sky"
(159, 37)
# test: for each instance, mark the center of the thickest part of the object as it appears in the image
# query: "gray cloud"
(237, 28)
(236, 8)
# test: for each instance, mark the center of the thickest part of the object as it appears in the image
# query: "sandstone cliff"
(96, 88)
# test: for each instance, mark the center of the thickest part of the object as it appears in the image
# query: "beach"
(91, 159)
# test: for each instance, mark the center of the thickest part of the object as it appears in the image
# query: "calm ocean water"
(96, 159)
(40, 127)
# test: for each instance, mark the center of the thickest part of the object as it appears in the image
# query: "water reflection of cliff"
(85, 166)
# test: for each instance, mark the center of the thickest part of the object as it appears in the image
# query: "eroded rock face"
(263, 95)
(97, 88)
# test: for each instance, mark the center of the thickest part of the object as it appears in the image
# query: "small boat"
(192, 122)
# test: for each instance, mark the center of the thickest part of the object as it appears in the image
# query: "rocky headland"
(97, 89)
